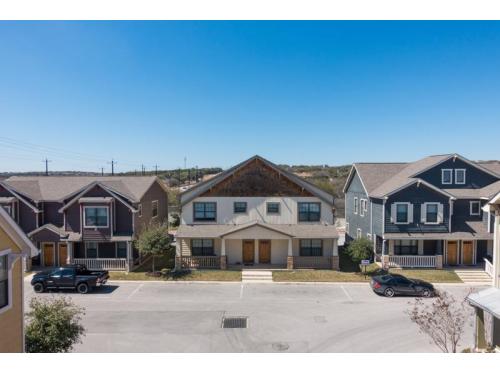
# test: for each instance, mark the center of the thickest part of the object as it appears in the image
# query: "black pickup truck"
(69, 277)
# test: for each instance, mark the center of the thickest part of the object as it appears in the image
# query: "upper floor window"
(273, 207)
(309, 211)
(475, 208)
(205, 211)
(4, 281)
(96, 217)
(447, 176)
(402, 213)
(239, 207)
(311, 248)
(154, 208)
(363, 208)
(431, 213)
(460, 176)
(356, 205)
(202, 247)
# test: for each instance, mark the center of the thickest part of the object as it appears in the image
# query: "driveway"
(168, 317)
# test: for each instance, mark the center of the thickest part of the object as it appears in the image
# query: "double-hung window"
(96, 217)
(363, 209)
(356, 205)
(205, 211)
(311, 248)
(121, 249)
(447, 176)
(475, 208)
(431, 213)
(309, 211)
(405, 247)
(402, 214)
(4, 281)
(240, 207)
(273, 208)
(91, 249)
(460, 176)
(202, 247)
(154, 209)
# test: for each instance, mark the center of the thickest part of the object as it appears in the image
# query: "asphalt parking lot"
(182, 317)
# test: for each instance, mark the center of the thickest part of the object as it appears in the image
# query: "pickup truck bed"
(70, 277)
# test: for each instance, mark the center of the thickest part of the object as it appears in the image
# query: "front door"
(452, 258)
(248, 251)
(264, 251)
(63, 254)
(48, 254)
(467, 250)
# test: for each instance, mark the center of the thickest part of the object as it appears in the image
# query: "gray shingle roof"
(56, 188)
(374, 174)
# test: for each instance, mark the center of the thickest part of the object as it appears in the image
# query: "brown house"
(85, 220)
(14, 245)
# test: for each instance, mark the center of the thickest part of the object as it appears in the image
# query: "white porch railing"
(109, 264)
(412, 261)
(200, 262)
(488, 267)
(312, 262)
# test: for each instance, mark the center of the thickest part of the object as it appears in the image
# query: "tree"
(154, 240)
(360, 249)
(175, 219)
(53, 326)
(443, 321)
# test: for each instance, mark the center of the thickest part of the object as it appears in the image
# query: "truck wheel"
(82, 288)
(38, 288)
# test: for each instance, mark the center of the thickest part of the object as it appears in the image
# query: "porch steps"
(473, 276)
(256, 276)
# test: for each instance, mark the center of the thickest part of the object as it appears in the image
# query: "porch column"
(420, 244)
(256, 252)
(130, 260)
(223, 258)
(289, 259)
(178, 260)
(479, 332)
(69, 258)
(335, 255)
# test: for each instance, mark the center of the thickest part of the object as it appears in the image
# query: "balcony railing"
(97, 264)
(312, 262)
(488, 267)
(210, 262)
(412, 261)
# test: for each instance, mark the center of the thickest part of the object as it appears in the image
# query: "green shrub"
(360, 249)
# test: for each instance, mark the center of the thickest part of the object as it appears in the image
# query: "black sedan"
(392, 285)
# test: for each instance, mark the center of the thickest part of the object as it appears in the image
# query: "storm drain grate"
(234, 322)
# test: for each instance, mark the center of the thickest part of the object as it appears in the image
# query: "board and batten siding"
(356, 190)
(256, 210)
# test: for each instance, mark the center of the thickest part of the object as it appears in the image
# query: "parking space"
(169, 317)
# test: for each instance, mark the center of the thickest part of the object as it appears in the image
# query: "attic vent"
(235, 322)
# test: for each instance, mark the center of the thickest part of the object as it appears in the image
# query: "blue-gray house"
(425, 213)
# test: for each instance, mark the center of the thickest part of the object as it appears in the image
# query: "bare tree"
(443, 320)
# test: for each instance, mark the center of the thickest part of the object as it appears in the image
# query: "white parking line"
(241, 290)
(345, 292)
(135, 291)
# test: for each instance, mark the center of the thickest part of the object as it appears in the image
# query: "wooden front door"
(63, 254)
(452, 258)
(48, 254)
(264, 251)
(467, 250)
(248, 251)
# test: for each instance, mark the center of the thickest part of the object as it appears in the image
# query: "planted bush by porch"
(154, 240)
(360, 249)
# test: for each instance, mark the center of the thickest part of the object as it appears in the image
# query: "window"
(154, 208)
(311, 248)
(363, 207)
(405, 247)
(91, 249)
(8, 208)
(402, 213)
(121, 249)
(107, 250)
(139, 209)
(355, 205)
(460, 176)
(273, 207)
(309, 211)
(475, 208)
(240, 207)
(202, 247)
(4, 281)
(96, 217)
(359, 233)
(431, 213)
(446, 176)
(205, 211)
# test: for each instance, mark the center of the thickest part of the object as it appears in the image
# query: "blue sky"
(331, 93)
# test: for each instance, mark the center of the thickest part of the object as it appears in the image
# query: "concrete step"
(474, 277)
(255, 276)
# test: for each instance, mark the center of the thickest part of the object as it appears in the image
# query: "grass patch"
(318, 276)
(168, 275)
(429, 275)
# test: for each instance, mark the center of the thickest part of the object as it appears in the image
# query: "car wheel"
(426, 293)
(38, 288)
(389, 292)
(82, 288)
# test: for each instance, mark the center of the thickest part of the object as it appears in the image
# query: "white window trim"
(347, 228)
(465, 176)
(139, 210)
(95, 226)
(9, 280)
(478, 213)
(451, 176)
(425, 213)
(279, 208)
(356, 205)
(157, 208)
(359, 233)
(408, 218)
(362, 207)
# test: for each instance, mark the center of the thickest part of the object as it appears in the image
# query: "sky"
(216, 93)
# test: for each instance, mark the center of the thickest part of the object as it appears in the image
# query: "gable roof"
(16, 234)
(58, 188)
(373, 174)
(203, 187)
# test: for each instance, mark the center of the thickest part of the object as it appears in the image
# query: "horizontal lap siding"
(356, 190)
(378, 214)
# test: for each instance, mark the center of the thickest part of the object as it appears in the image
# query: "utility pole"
(185, 160)
(156, 169)
(102, 171)
(196, 173)
(143, 168)
(112, 162)
(46, 161)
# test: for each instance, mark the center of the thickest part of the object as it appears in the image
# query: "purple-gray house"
(82, 219)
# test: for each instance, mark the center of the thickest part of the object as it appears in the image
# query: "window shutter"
(440, 213)
(393, 213)
(422, 213)
(410, 213)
